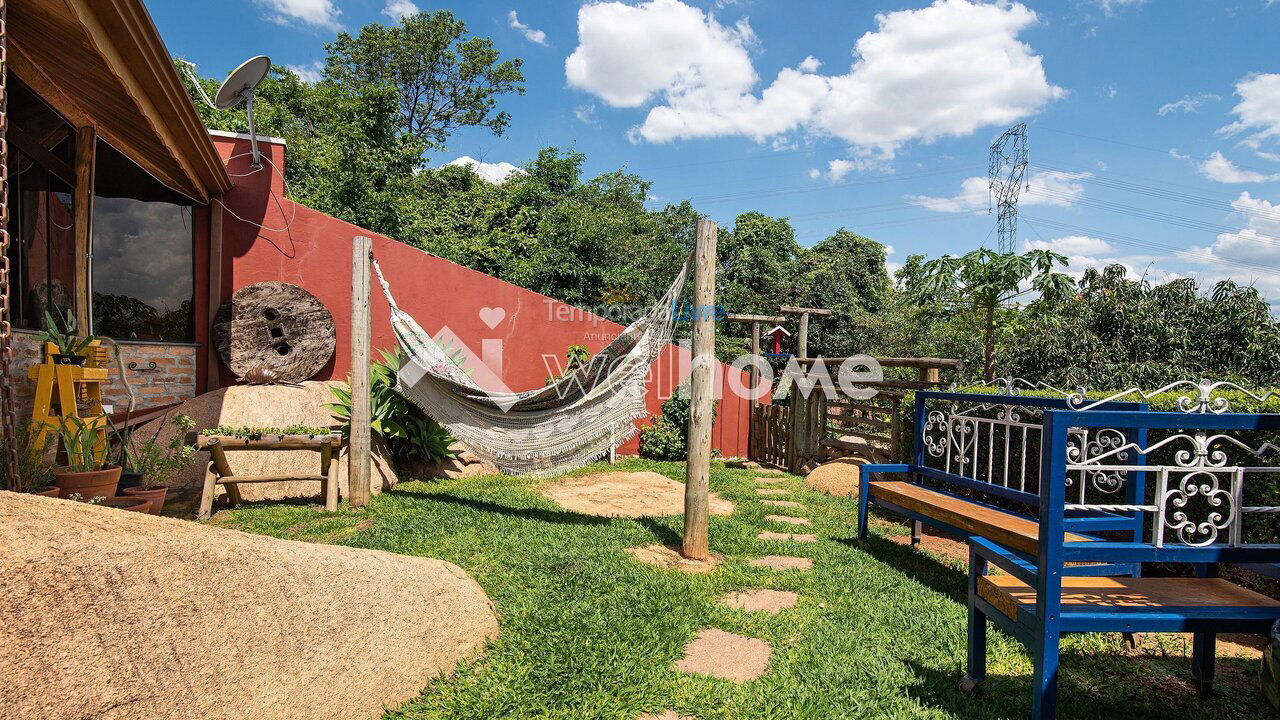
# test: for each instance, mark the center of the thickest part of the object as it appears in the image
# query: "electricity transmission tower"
(1007, 170)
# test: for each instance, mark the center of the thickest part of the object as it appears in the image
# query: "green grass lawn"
(588, 632)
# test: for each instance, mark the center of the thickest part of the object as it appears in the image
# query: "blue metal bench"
(1194, 513)
(988, 446)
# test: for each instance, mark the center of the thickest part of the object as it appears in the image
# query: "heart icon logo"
(492, 316)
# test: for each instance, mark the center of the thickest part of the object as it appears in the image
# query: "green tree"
(754, 262)
(443, 78)
(845, 273)
(985, 281)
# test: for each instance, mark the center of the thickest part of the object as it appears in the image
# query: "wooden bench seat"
(1012, 531)
(1007, 594)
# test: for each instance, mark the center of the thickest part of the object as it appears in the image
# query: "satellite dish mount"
(238, 88)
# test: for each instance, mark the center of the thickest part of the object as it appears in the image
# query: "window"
(41, 213)
(143, 254)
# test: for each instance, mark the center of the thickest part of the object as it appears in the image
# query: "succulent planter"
(77, 360)
(153, 495)
(92, 484)
(134, 504)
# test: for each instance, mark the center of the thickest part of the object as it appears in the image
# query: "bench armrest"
(871, 468)
(1004, 558)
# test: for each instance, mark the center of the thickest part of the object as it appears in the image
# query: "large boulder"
(112, 614)
(837, 477)
(270, 406)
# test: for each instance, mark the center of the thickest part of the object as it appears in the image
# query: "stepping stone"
(798, 537)
(781, 503)
(781, 562)
(768, 471)
(727, 656)
(771, 491)
(788, 519)
(770, 480)
(670, 559)
(666, 715)
(770, 601)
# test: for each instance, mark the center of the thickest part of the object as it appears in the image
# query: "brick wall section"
(171, 380)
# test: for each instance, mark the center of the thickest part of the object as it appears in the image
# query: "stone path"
(797, 537)
(788, 519)
(770, 601)
(771, 491)
(781, 503)
(725, 655)
(770, 480)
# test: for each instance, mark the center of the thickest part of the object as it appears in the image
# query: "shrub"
(667, 437)
(407, 431)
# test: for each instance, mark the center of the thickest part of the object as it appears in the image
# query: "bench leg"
(331, 489)
(917, 529)
(976, 670)
(1204, 647)
(1044, 679)
(233, 494)
(206, 496)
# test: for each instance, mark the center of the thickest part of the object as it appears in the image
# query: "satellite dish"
(238, 87)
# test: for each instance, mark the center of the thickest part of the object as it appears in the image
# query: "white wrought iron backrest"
(998, 443)
(1199, 496)
(1204, 400)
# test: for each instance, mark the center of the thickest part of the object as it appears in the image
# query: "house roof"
(102, 63)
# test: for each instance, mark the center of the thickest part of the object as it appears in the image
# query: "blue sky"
(1154, 125)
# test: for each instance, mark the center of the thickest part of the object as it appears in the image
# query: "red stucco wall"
(315, 253)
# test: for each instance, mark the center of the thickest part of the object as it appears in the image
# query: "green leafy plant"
(245, 432)
(80, 442)
(158, 462)
(408, 432)
(61, 331)
(667, 437)
(575, 357)
(35, 468)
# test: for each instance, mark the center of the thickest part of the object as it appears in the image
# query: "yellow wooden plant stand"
(75, 389)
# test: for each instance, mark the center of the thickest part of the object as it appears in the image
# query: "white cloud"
(1084, 252)
(944, 70)
(1258, 110)
(837, 169)
(1173, 153)
(814, 173)
(530, 34)
(1219, 169)
(1073, 245)
(490, 172)
(586, 114)
(399, 9)
(1047, 187)
(311, 73)
(1258, 242)
(1110, 7)
(321, 13)
(1187, 104)
(809, 64)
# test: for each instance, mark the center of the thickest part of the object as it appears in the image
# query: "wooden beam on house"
(86, 153)
(211, 380)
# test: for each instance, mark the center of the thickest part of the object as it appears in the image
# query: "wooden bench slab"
(1008, 593)
(1012, 531)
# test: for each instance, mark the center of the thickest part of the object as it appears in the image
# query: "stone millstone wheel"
(274, 326)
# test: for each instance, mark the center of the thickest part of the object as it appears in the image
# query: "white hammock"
(546, 431)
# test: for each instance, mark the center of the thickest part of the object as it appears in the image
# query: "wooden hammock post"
(359, 461)
(698, 467)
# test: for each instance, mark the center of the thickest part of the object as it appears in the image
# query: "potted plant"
(35, 465)
(60, 331)
(155, 463)
(83, 473)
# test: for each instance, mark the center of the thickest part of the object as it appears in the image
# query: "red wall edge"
(313, 250)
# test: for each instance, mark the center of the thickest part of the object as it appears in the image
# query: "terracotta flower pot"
(136, 504)
(154, 495)
(51, 492)
(92, 484)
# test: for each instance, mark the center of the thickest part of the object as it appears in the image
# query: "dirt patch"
(937, 543)
(838, 477)
(798, 537)
(782, 503)
(666, 715)
(625, 494)
(103, 606)
(770, 601)
(788, 519)
(771, 491)
(670, 558)
(727, 656)
(781, 562)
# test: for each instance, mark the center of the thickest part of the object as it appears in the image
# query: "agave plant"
(80, 441)
(60, 330)
(408, 432)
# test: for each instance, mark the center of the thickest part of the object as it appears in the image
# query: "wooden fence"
(806, 432)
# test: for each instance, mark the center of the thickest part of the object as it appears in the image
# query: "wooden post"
(698, 467)
(211, 379)
(360, 463)
(802, 337)
(82, 206)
